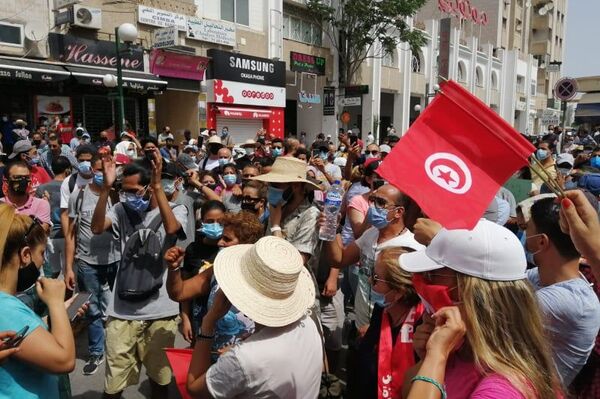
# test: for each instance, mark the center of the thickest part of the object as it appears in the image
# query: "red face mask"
(434, 297)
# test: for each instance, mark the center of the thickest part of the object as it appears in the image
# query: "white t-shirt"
(283, 362)
(65, 193)
(369, 249)
(211, 164)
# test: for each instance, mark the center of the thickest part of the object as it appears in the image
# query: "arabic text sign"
(166, 37)
(210, 31)
(161, 18)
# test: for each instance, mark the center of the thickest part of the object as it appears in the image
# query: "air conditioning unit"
(86, 17)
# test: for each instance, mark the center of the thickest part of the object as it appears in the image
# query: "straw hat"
(266, 281)
(287, 170)
(215, 140)
(248, 143)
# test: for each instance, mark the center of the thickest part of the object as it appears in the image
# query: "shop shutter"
(240, 129)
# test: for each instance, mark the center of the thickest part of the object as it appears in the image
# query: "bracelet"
(176, 269)
(431, 381)
(275, 228)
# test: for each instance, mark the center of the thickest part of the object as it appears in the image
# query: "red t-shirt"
(39, 176)
(65, 131)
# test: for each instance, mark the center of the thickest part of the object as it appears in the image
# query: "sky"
(582, 42)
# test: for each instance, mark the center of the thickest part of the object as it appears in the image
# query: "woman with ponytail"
(31, 371)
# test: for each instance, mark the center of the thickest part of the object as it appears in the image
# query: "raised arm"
(100, 223)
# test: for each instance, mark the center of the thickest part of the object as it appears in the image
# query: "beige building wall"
(21, 12)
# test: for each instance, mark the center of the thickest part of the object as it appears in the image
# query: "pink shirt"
(34, 207)
(359, 203)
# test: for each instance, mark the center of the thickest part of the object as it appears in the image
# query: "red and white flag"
(454, 158)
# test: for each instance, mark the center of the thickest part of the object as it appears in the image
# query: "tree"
(363, 29)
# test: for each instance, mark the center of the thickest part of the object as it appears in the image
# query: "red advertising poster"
(59, 113)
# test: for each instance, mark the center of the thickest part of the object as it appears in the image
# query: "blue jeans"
(98, 280)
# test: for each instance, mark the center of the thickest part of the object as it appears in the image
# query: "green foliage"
(362, 29)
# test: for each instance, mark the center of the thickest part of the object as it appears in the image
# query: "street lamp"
(128, 34)
(417, 108)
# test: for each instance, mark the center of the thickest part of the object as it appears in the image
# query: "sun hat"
(248, 143)
(266, 281)
(215, 140)
(20, 147)
(286, 170)
(489, 251)
(385, 148)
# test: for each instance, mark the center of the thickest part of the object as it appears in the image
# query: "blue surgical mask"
(98, 178)
(230, 180)
(224, 132)
(168, 186)
(528, 254)
(276, 152)
(212, 231)
(379, 299)
(134, 201)
(324, 156)
(595, 162)
(541, 154)
(275, 195)
(84, 167)
(377, 217)
(223, 162)
(33, 161)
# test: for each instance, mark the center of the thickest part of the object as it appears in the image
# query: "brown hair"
(398, 279)
(260, 187)
(246, 226)
(15, 233)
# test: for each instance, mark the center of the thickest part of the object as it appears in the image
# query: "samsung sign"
(237, 67)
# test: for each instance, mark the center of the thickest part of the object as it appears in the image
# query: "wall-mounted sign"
(49, 107)
(101, 53)
(210, 31)
(352, 101)
(356, 90)
(244, 68)
(175, 65)
(226, 92)
(307, 63)
(309, 98)
(328, 101)
(160, 18)
(463, 9)
(166, 37)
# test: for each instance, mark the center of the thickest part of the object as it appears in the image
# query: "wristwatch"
(205, 337)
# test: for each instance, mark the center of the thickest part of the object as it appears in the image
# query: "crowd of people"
(219, 241)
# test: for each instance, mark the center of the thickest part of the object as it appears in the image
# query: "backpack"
(72, 181)
(141, 271)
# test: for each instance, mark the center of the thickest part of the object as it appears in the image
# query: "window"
(533, 88)
(306, 32)
(479, 76)
(388, 60)
(494, 80)
(296, 28)
(11, 35)
(462, 72)
(235, 11)
(416, 63)
(520, 84)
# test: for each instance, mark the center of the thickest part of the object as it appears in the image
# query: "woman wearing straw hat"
(283, 358)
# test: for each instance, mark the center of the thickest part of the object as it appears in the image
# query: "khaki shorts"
(131, 343)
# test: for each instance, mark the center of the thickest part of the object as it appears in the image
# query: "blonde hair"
(398, 279)
(15, 234)
(506, 334)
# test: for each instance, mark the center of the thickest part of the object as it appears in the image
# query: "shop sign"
(328, 101)
(352, 101)
(210, 31)
(244, 68)
(99, 53)
(166, 37)
(309, 98)
(241, 113)
(356, 90)
(307, 63)
(31, 76)
(160, 18)
(175, 65)
(463, 9)
(227, 92)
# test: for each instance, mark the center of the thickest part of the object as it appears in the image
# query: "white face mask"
(131, 153)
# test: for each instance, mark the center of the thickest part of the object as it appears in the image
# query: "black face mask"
(19, 187)
(212, 186)
(287, 194)
(249, 207)
(27, 277)
(36, 143)
(213, 149)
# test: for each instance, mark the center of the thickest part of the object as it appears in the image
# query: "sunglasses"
(378, 201)
(374, 152)
(250, 199)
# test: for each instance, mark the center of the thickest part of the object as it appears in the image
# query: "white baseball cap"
(489, 252)
(385, 148)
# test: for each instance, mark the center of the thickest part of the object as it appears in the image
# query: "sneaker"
(92, 364)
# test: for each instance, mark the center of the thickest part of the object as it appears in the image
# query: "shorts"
(332, 319)
(131, 343)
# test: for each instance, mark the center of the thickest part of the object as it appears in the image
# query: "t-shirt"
(159, 305)
(192, 201)
(369, 249)
(572, 319)
(37, 207)
(299, 228)
(233, 203)
(210, 164)
(101, 249)
(19, 379)
(39, 176)
(260, 366)
(53, 189)
(65, 190)
(356, 189)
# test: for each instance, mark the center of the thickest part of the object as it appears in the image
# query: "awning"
(131, 80)
(243, 113)
(32, 71)
(588, 106)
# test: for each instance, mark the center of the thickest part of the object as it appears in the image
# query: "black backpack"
(141, 271)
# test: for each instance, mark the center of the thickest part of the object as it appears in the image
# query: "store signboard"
(160, 18)
(352, 101)
(309, 98)
(175, 65)
(307, 63)
(328, 101)
(99, 53)
(166, 37)
(210, 31)
(237, 93)
(236, 67)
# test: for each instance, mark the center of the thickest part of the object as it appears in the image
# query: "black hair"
(55, 137)
(211, 205)
(147, 140)
(545, 215)
(300, 151)
(266, 161)
(12, 164)
(137, 168)
(60, 164)
(85, 149)
(277, 140)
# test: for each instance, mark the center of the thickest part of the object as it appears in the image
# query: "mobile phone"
(17, 339)
(315, 153)
(353, 139)
(80, 299)
(149, 155)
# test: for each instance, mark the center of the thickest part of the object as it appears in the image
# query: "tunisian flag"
(180, 360)
(454, 158)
